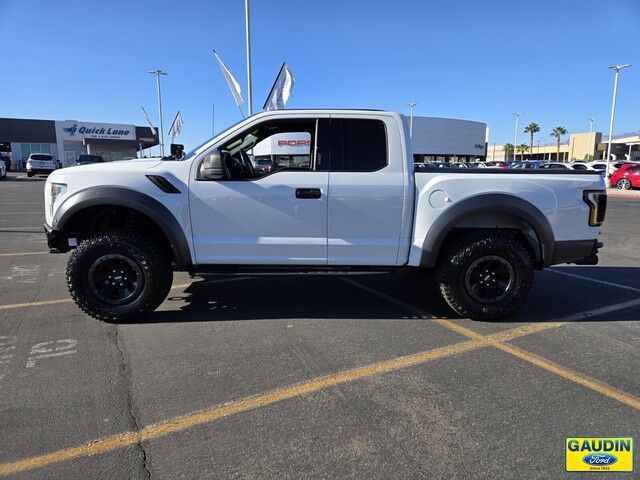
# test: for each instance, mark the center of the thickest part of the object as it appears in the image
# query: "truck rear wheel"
(485, 275)
(119, 275)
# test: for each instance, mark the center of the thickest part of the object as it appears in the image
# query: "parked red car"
(626, 177)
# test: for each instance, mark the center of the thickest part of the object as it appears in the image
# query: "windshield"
(192, 152)
(90, 159)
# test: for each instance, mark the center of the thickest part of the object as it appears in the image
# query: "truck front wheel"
(119, 275)
(485, 275)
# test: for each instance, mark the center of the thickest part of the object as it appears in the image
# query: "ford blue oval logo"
(599, 459)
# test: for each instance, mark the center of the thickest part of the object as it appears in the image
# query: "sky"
(469, 59)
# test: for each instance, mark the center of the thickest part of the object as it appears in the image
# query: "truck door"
(366, 193)
(272, 207)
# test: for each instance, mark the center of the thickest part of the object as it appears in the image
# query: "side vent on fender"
(163, 184)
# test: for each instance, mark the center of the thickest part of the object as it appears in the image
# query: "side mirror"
(211, 168)
(177, 150)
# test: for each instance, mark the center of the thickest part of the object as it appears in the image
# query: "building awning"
(144, 142)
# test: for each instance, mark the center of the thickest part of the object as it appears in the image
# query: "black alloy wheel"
(115, 279)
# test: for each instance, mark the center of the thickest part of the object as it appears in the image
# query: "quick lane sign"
(72, 130)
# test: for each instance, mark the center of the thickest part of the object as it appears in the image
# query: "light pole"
(411, 107)
(617, 69)
(515, 135)
(248, 41)
(157, 73)
(590, 132)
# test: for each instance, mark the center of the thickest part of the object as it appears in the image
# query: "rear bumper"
(57, 240)
(580, 252)
(40, 171)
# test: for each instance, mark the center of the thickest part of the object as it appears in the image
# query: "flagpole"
(213, 119)
(157, 73)
(248, 41)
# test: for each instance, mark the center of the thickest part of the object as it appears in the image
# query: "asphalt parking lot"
(319, 376)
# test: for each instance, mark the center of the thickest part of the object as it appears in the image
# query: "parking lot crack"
(124, 370)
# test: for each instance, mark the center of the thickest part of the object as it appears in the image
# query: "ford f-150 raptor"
(348, 198)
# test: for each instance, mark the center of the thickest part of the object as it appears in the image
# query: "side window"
(361, 145)
(284, 150)
(270, 147)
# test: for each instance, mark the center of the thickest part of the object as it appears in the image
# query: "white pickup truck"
(349, 200)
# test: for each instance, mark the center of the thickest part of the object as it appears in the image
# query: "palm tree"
(522, 149)
(532, 129)
(508, 147)
(558, 132)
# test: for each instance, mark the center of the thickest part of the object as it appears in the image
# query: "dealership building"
(579, 147)
(67, 139)
(448, 140)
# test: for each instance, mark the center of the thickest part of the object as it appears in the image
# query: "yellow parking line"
(34, 304)
(497, 341)
(571, 375)
(206, 416)
(42, 303)
(548, 365)
(21, 253)
(23, 229)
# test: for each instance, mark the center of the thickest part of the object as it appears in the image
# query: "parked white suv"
(41, 163)
(351, 201)
(3, 170)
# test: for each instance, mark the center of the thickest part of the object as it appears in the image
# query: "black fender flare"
(125, 197)
(490, 203)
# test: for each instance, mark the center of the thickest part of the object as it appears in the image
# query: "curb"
(624, 195)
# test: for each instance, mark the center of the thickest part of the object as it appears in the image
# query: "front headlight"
(55, 190)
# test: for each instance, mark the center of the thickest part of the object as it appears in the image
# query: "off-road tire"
(153, 262)
(456, 260)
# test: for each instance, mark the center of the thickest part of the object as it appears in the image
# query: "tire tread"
(464, 247)
(158, 261)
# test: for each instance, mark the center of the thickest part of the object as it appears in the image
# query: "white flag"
(281, 90)
(176, 126)
(153, 130)
(234, 86)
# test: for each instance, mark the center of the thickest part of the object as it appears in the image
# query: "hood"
(133, 165)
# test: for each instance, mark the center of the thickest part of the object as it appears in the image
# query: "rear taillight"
(597, 202)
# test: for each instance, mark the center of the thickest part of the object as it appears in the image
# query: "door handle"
(308, 193)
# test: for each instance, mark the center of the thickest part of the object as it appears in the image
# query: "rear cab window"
(360, 145)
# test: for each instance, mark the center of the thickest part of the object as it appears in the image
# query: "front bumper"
(57, 240)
